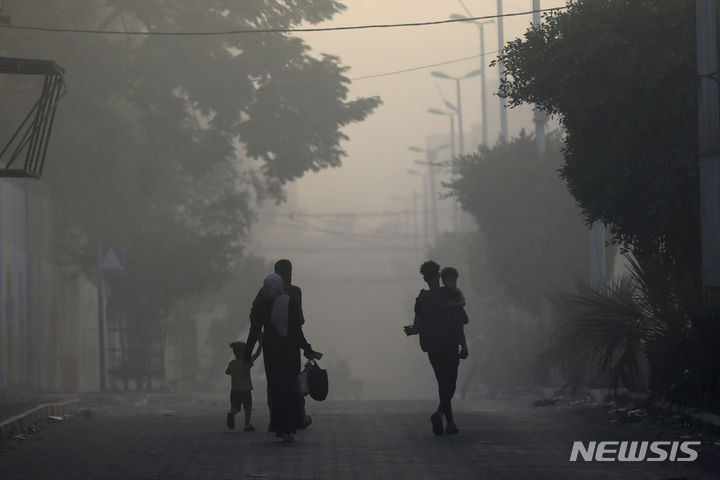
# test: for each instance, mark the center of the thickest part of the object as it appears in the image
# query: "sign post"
(111, 261)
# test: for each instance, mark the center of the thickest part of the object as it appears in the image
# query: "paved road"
(348, 440)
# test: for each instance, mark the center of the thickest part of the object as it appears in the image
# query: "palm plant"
(616, 327)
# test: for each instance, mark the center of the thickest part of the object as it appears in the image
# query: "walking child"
(241, 384)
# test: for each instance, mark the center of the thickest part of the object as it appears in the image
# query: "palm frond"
(607, 328)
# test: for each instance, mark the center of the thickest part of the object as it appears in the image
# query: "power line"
(422, 67)
(325, 222)
(326, 82)
(272, 30)
(389, 213)
(349, 236)
(378, 75)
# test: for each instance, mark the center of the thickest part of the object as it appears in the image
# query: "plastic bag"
(317, 381)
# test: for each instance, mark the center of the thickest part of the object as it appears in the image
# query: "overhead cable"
(271, 30)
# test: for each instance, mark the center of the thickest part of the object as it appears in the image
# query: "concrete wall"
(47, 319)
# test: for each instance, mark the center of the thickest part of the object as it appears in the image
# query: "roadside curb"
(705, 421)
(21, 421)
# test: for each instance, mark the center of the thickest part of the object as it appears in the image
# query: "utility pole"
(431, 156)
(709, 149)
(415, 224)
(539, 116)
(501, 71)
(483, 84)
(461, 137)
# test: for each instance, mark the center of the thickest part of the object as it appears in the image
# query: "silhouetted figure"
(455, 301)
(278, 316)
(283, 267)
(440, 336)
(241, 384)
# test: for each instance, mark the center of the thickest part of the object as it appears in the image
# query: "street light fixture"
(483, 86)
(445, 76)
(425, 162)
(436, 111)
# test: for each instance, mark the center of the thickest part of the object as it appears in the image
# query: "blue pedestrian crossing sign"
(111, 259)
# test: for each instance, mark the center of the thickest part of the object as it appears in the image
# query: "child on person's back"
(241, 384)
(455, 299)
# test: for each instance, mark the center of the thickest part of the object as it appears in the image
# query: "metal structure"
(32, 136)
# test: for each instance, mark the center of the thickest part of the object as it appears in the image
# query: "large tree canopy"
(535, 237)
(620, 75)
(162, 142)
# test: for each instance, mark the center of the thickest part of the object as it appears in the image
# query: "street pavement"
(188, 439)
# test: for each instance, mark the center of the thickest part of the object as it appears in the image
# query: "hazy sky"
(360, 276)
(378, 157)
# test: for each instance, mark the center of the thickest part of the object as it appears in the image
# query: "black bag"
(317, 381)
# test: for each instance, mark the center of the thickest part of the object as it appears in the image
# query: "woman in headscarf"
(279, 317)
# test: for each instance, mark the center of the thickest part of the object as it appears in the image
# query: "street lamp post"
(483, 78)
(431, 154)
(410, 212)
(425, 207)
(435, 111)
(406, 211)
(459, 100)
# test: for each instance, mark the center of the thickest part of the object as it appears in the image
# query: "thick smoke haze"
(356, 234)
(359, 271)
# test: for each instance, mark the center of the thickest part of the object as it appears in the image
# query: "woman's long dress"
(282, 363)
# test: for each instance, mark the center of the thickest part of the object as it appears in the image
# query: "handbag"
(317, 380)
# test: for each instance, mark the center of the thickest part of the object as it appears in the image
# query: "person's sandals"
(451, 429)
(230, 420)
(248, 428)
(286, 437)
(436, 420)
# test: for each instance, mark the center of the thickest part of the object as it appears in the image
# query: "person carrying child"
(241, 384)
(440, 328)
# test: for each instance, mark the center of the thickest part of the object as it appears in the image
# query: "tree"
(536, 240)
(164, 143)
(620, 75)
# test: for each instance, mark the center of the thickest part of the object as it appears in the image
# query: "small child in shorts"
(241, 384)
(455, 299)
